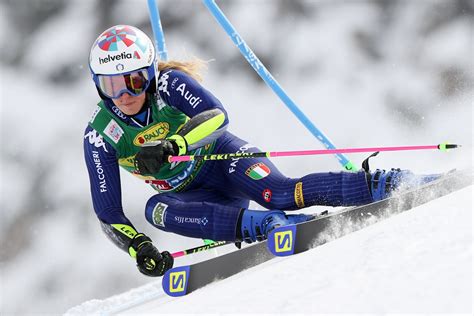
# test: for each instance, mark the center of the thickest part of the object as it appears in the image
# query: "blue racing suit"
(209, 206)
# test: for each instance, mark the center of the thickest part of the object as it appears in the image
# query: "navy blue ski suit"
(209, 206)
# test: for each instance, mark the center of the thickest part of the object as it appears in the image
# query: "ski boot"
(255, 225)
(383, 183)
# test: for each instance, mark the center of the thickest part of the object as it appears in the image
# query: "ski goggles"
(134, 83)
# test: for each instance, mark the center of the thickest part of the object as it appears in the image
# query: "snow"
(415, 262)
(53, 253)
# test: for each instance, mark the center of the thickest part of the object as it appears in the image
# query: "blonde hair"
(193, 67)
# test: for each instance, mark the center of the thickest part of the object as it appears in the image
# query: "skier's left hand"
(152, 156)
(150, 261)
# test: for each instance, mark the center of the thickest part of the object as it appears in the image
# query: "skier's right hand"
(152, 156)
(149, 260)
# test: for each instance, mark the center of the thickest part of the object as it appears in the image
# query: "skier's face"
(130, 105)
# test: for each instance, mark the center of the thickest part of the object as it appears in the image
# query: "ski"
(183, 280)
(293, 239)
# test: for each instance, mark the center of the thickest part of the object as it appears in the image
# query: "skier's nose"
(124, 96)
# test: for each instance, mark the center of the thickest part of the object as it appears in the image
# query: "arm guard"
(120, 234)
(202, 129)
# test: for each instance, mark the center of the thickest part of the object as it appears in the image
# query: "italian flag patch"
(258, 171)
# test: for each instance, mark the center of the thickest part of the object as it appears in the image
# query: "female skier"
(144, 116)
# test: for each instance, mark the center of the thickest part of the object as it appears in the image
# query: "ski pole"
(199, 249)
(228, 156)
(157, 29)
(271, 82)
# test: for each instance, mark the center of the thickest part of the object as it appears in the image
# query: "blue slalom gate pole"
(271, 82)
(162, 52)
(155, 20)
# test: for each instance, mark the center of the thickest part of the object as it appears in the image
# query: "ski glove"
(149, 260)
(153, 155)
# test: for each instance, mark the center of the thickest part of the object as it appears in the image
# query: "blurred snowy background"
(368, 73)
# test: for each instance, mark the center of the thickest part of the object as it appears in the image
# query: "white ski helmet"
(121, 50)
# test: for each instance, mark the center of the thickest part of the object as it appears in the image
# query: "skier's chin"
(131, 108)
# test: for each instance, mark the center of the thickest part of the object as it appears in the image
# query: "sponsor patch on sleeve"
(113, 131)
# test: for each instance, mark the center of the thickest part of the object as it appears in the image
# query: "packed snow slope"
(367, 73)
(418, 262)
